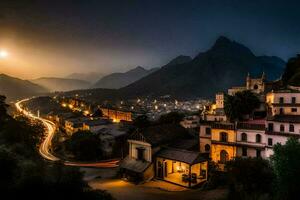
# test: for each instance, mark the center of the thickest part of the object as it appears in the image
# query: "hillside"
(90, 77)
(14, 88)
(118, 80)
(61, 84)
(224, 65)
(291, 75)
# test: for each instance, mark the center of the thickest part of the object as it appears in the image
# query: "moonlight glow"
(3, 54)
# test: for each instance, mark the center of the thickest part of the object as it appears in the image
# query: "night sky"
(56, 38)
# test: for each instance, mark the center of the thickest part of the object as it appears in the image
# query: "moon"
(3, 54)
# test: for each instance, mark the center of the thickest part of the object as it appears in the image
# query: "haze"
(57, 38)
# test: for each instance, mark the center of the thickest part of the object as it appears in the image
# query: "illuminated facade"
(149, 157)
(223, 142)
(117, 115)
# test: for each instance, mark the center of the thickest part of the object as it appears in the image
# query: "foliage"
(84, 145)
(3, 109)
(286, 164)
(242, 103)
(249, 178)
(141, 122)
(291, 74)
(24, 174)
(171, 118)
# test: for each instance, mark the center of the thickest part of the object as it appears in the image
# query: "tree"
(286, 164)
(24, 174)
(3, 109)
(241, 104)
(84, 145)
(171, 118)
(249, 178)
(141, 122)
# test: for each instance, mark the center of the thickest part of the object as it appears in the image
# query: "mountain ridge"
(14, 88)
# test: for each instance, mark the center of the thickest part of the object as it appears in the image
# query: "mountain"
(118, 80)
(291, 75)
(224, 65)
(14, 88)
(61, 84)
(91, 77)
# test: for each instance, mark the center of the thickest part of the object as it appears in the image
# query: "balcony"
(283, 134)
(225, 126)
(249, 126)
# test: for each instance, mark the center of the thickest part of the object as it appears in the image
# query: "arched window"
(223, 137)
(207, 147)
(255, 87)
(281, 128)
(244, 137)
(224, 157)
(258, 138)
(292, 128)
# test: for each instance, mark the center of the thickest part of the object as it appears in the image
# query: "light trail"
(45, 146)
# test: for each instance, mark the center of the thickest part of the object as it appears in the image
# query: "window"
(293, 100)
(270, 126)
(140, 153)
(207, 147)
(281, 128)
(281, 100)
(258, 138)
(223, 136)
(258, 153)
(244, 137)
(294, 109)
(270, 142)
(207, 131)
(292, 128)
(281, 111)
(224, 157)
(244, 151)
(255, 87)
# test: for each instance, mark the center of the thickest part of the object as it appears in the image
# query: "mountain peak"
(223, 40)
(224, 45)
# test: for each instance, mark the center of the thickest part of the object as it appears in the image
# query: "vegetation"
(291, 74)
(24, 174)
(286, 164)
(141, 122)
(85, 146)
(249, 178)
(241, 104)
(171, 118)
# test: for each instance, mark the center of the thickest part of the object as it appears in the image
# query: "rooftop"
(189, 157)
(285, 118)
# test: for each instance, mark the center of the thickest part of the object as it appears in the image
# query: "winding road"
(45, 146)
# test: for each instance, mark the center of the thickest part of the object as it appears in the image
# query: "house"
(74, 125)
(150, 156)
(190, 122)
(95, 125)
(253, 137)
